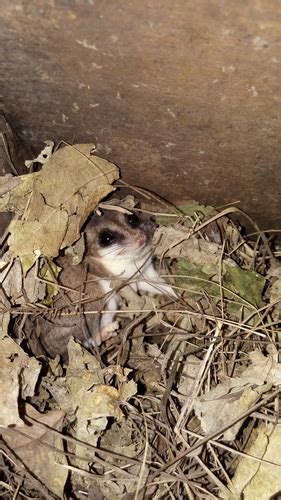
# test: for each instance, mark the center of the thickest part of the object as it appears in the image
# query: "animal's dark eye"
(106, 238)
(133, 220)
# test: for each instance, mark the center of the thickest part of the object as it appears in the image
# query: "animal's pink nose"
(141, 239)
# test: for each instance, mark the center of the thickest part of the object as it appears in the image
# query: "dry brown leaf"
(188, 374)
(256, 480)
(133, 302)
(57, 200)
(121, 439)
(15, 191)
(92, 401)
(93, 409)
(267, 363)
(11, 278)
(217, 412)
(22, 287)
(18, 373)
(7, 183)
(229, 400)
(176, 242)
(127, 390)
(76, 251)
(83, 371)
(44, 237)
(125, 205)
(37, 447)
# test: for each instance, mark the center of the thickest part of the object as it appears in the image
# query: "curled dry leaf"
(143, 362)
(39, 448)
(200, 268)
(83, 370)
(90, 398)
(269, 365)
(76, 251)
(216, 408)
(121, 439)
(190, 370)
(57, 200)
(124, 204)
(254, 479)
(176, 241)
(15, 192)
(19, 374)
(22, 287)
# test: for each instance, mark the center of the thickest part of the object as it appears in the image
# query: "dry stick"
(267, 418)
(233, 450)
(189, 491)
(4, 236)
(237, 326)
(217, 482)
(125, 333)
(167, 391)
(6, 486)
(187, 407)
(222, 214)
(169, 492)
(114, 208)
(220, 281)
(214, 434)
(231, 367)
(222, 299)
(149, 195)
(154, 420)
(155, 431)
(219, 464)
(143, 465)
(90, 447)
(100, 461)
(96, 477)
(7, 270)
(18, 489)
(207, 493)
(8, 154)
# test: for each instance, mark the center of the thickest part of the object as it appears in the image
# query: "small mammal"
(117, 245)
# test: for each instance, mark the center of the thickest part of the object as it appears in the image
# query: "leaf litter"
(183, 403)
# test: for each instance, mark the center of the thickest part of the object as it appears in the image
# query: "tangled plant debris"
(183, 403)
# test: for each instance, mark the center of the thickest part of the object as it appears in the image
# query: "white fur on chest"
(140, 273)
(123, 267)
(141, 276)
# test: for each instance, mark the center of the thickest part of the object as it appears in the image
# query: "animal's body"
(117, 245)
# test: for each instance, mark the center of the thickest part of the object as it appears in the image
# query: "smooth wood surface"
(184, 96)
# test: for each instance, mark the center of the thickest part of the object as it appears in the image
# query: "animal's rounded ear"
(150, 226)
(91, 226)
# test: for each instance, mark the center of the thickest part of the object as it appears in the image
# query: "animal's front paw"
(159, 287)
(109, 331)
(105, 333)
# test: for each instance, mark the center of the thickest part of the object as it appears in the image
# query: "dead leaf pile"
(53, 204)
(183, 403)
